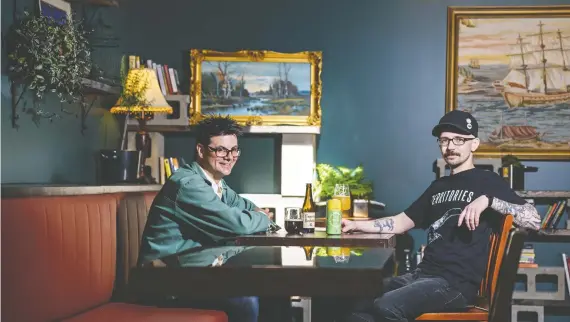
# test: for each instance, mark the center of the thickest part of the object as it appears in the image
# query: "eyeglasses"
(457, 141)
(223, 152)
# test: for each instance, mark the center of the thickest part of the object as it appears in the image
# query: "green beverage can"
(334, 217)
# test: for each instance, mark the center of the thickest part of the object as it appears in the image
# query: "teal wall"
(57, 152)
(383, 89)
(383, 82)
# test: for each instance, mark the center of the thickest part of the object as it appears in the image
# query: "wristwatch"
(490, 200)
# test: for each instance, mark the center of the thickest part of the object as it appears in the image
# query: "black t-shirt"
(456, 253)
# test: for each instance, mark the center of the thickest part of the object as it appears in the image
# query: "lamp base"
(143, 143)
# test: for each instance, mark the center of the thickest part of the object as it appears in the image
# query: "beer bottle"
(309, 211)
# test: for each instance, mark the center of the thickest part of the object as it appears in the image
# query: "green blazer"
(187, 214)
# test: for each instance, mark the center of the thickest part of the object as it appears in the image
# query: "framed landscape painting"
(510, 68)
(257, 87)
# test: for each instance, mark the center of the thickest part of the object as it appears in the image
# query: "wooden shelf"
(546, 303)
(98, 88)
(103, 3)
(538, 194)
(550, 236)
(284, 129)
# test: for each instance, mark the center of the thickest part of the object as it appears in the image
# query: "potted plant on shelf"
(47, 56)
(361, 190)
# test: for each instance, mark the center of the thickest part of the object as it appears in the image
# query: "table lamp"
(141, 98)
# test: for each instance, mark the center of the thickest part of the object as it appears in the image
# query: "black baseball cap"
(457, 121)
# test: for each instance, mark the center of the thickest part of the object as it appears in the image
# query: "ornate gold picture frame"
(257, 87)
(510, 68)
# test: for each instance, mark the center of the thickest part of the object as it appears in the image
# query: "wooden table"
(262, 271)
(319, 238)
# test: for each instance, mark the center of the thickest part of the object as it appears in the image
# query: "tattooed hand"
(525, 216)
(348, 225)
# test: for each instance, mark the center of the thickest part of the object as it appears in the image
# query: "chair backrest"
(500, 310)
(132, 214)
(497, 244)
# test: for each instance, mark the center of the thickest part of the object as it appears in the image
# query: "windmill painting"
(510, 68)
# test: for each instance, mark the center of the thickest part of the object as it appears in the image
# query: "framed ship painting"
(510, 68)
(257, 87)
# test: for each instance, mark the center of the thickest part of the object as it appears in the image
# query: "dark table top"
(269, 271)
(319, 238)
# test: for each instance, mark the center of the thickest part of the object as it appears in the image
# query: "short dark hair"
(216, 125)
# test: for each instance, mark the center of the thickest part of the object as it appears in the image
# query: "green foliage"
(329, 176)
(47, 56)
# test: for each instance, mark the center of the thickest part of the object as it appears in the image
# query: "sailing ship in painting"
(539, 70)
(514, 77)
(474, 63)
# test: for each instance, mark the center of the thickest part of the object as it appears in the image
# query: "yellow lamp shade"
(143, 84)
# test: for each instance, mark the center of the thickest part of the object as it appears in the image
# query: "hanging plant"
(48, 56)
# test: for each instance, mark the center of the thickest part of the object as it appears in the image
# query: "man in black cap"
(459, 212)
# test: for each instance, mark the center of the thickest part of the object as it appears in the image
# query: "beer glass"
(342, 193)
(293, 220)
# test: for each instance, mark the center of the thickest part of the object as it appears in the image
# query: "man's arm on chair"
(397, 224)
(524, 215)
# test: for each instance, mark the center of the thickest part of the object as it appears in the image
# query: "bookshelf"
(551, 198)
(553, 234)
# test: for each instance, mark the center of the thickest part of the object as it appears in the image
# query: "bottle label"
(308, 220)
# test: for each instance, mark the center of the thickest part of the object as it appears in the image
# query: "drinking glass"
(293, 220)
(342, 193)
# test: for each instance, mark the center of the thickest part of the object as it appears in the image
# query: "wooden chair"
(498, 242)
(500, 310)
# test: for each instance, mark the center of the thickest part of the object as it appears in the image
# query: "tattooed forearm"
(523, 215)
(386, 224)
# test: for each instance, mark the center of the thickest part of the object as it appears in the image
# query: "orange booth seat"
(63, 260)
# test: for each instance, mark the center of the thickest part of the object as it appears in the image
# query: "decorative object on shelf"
(486, 72)
(47, 56)
(141, 98)
(329, 176)
(513, 171)
(257, 87)
(58, 10)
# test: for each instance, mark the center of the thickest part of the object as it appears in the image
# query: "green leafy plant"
(329, 176)
(48, 56)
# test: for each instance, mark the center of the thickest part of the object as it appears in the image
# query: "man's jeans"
(407, 297)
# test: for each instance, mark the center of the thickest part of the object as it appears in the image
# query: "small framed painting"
(59, 10)
(510, 68)
(257, 87)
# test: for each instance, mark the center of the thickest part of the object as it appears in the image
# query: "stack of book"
(553, 214)
(170, 166)
(527, 257)
(167, 77)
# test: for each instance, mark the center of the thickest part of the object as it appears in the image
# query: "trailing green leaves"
(48, 56)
